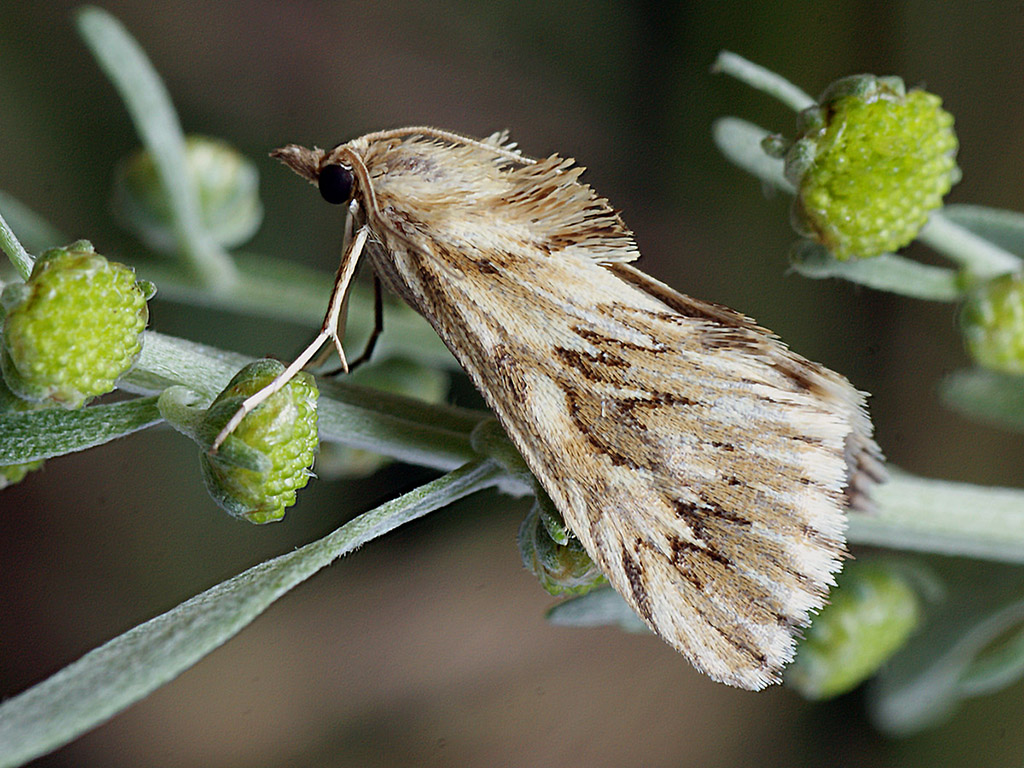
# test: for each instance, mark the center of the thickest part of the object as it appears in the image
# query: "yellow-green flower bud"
(74, 328)
(12, 474)
(225, 182)
(992, 322)
(283, 428)
(872, 613)
(871, 162)
(562, 569)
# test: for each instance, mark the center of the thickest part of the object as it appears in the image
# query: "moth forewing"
(703, 466)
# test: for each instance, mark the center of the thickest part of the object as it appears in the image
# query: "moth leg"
(328, 332)
(378, 326)
(371, 342)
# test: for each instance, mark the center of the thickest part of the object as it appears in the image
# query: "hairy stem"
(19, 257)
(918, 514)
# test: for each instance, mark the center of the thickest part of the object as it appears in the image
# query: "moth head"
(327, 170)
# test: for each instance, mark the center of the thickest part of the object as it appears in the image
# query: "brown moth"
(704, 467)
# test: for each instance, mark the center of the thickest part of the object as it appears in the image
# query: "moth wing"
(703, 466)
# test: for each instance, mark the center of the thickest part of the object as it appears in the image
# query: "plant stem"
(762, 79)
(944, 518)
(178, 407)
(19, 257)
(405, 429)
(914, 513)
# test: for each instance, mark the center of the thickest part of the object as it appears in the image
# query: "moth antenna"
(456, 138)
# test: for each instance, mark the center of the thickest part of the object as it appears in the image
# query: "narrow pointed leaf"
(116, 675)
(34, 435)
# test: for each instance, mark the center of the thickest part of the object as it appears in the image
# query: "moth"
(704, 466)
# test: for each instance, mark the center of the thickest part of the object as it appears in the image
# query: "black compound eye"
(335, 182)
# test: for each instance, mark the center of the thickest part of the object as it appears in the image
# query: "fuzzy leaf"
(601, 607)
(973, 644)
(992, 398)
(149, 104)
(1001, 227)
(116, 675)
(35, 232)
(886, 272)
(33, 435)
(740, 142)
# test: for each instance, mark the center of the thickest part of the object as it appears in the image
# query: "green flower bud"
(562, 569)
(225, 182)
(74, 328)
(870, 163)
(872, 613)
(12, 474)
(283, 428)
(992, 322)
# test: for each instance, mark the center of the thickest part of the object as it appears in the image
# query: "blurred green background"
(429, 647)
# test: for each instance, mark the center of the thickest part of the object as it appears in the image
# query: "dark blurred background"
(429, 647)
